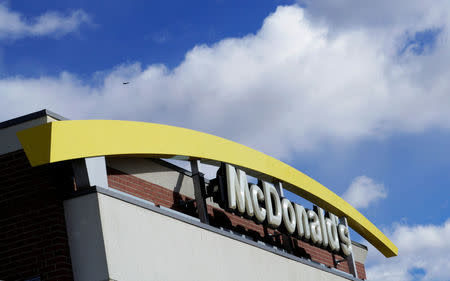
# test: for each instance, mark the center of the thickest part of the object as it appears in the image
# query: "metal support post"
(350, 258)
(90, 171)
(199, 188)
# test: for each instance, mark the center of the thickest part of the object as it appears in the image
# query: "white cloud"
(398, 15)
(424, 254)
(292, 86)
(364, 191)
(13, 25)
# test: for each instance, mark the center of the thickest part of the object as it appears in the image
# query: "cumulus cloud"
(424, 254)
(14, 25)
(292, 86)
(364, 191)
(395, 24)
(403, 14)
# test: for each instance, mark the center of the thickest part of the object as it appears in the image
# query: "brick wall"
(361, 270)
(33, 238)
(167, 198)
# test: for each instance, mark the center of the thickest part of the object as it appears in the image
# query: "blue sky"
(124, 31)
(356, 95)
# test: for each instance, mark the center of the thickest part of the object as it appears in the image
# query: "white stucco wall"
(84, 231)
(359, 253)
(144, 245)
(111, 239)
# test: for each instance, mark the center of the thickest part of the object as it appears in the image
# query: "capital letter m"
(238, 192)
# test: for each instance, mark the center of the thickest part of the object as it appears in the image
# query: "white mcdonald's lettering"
(307, 224)
(238, 193)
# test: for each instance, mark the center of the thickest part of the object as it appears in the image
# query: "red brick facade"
(33, 237)
(167, 198)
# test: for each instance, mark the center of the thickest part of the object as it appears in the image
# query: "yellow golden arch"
(65, 140)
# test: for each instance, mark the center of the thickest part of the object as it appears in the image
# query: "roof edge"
(31, 116)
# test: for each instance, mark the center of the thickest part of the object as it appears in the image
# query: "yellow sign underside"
(66, 140)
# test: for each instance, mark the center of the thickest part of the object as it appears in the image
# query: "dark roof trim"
(31, 116)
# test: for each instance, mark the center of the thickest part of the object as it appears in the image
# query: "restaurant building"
(102, 200)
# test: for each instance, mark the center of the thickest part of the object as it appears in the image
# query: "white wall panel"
(84, 232)
(144, 245)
